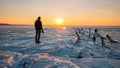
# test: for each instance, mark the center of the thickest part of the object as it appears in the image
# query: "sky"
(72, 12)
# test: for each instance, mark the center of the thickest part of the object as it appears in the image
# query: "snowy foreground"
(58, 48)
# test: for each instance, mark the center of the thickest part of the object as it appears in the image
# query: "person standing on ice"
(77, 37)
(38, 29)
(95, 35)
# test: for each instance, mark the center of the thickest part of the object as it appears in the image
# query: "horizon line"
(62, 25)
(6, 24)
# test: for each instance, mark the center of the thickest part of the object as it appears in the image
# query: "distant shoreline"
(2, 24)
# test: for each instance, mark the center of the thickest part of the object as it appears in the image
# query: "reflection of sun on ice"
(59, 21)
(64, 28)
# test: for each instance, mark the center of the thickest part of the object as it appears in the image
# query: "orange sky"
(72, 12)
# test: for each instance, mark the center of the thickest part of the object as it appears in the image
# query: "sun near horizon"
(59, 21)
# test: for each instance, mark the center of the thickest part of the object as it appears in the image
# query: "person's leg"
(102, 41)
(39, 33)
(94, 39)
(36, 36)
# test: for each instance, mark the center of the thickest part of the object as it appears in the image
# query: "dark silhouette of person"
(38, 29)
(96, 35)
(111, 40)
(77, 37)
(89, 32)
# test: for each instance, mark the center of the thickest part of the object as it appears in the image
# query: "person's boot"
(38, 42)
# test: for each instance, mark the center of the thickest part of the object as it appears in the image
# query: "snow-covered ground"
(58, 48)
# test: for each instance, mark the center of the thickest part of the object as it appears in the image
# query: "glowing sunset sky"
(72, 12)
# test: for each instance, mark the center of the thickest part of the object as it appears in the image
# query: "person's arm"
(99, 34)
(42, 31)
(42, 28)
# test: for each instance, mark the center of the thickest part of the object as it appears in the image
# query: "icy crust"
(45, 61)
(61, 57)
(57, 50)
(8, 59)
(97, 63)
